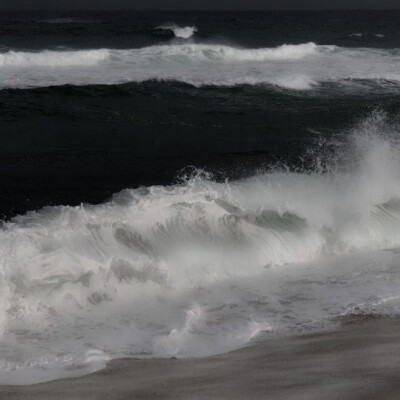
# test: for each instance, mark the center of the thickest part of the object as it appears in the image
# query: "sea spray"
(162, 271)
(182, 32)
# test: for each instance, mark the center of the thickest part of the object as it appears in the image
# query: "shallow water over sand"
(358, 361)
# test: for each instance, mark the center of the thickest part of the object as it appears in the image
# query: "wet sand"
(359, 361)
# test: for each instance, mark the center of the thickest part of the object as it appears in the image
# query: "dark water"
(44, 29)
(67, 144)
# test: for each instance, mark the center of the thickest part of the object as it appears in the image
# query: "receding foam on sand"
(358, 361)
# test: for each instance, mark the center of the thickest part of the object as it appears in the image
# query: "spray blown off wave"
(298, 67)
(202, 267)
(184, 32)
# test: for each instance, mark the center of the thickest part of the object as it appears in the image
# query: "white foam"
(202, 267)
(298, 67)
(52, 59)
(182, 32)
(357, 34)
(296, 82)
(227, 53)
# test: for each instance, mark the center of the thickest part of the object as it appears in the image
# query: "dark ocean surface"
(68, 144)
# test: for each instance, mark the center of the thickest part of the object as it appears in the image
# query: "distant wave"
(357, 34)
(360, 35)
(298, 67)
(199, 52)
(184, 32)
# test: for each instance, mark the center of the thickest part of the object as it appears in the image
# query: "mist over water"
(184, 188)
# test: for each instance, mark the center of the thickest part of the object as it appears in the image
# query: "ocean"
(185, 184)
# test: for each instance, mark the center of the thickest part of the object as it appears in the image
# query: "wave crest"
(182, 32)
(299, 67)
(196, 64)
(350, 201)
(49, 58)
(181, 270)
(228, 53)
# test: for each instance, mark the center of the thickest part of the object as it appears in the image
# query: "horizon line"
(202, 10)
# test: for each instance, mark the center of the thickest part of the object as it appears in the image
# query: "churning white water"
(299, 67)
(202, 267)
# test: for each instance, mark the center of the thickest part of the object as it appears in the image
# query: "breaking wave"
(52, 59)
(202, 267)
(299, 67)
(361, 35)
(357, 34)
(184, 32)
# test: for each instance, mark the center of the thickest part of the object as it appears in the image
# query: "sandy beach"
(359, 361)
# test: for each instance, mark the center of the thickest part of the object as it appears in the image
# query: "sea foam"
(304, 66)
(52, 59)
(182, 32)
(203, 267)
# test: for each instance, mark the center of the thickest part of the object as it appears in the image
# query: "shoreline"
(358, 361)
